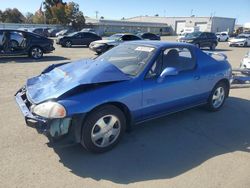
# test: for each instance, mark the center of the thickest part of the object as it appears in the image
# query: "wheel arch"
(122, 107)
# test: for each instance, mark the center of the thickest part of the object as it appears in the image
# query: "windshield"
(72, 34)
(193, 35)
(131, 59)
(115, 37)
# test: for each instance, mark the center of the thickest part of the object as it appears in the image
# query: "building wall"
(211, 24)
(223, 24)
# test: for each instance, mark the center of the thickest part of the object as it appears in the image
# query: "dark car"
(149, 36)
(201, 39)
(77, 38)
(53, 32)
(28, 44)
(40, 31)
(102, 46)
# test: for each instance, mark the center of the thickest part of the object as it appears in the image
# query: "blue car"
(94, 101)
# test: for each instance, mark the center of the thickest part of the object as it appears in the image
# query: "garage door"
(180, 26)
(202, 26)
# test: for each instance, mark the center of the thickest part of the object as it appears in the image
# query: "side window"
(1, 38)
(126, 37)
(133, 37)
(180, 58)
(156, 68)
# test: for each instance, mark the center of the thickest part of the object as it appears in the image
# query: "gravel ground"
(193, 148)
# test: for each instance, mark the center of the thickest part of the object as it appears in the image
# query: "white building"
(108, 27)
(211, 24)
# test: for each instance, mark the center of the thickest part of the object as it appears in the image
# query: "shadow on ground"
(25, 59)
(166, 147)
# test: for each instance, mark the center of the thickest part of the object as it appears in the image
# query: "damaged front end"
(53, 128)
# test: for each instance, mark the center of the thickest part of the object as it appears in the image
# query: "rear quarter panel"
(211, 70)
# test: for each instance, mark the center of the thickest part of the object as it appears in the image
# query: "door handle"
(197, 77)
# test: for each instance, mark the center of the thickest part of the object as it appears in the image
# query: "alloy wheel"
(218, 97)
(105, 131)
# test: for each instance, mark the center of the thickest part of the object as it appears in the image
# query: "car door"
(174, 92)
(88, 38)
(76, 39)
(203, 40)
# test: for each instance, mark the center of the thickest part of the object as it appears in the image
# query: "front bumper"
(52, 128)
(98, 49)
(31, 120)
(236, 43)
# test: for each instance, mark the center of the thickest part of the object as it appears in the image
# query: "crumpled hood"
(61, 79)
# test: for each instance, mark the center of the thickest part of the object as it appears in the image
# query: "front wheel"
(217, 97)
(103, 129)
(68, 44)
(36, 53)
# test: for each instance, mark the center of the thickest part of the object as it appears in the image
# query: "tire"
(213, 46)
(226, 39)
(97, 135)
(219, 39)
(67, 44)
(36, 52)
(214, 105)
(245, 44)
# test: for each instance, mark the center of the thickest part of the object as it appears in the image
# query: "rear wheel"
(36, 53)
(103, 129)
(217, 97)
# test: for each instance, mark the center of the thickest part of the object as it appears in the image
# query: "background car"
(201, 39)
(101, 46)
(222, 36)
(240, 40)
(149, 36)
(64, 32)
(40, 31)
(88, 30)
(245, 63)
(77, 38)
(93, 101)
(29, 44)
(53, 32)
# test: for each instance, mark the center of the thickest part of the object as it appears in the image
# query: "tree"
(29, 17)
(12, 16)
(156, 15)
(38, 18)
(58, 12)
(101, 17)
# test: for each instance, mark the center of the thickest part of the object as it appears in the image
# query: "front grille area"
(25, 99)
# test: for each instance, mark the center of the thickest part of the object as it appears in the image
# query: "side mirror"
(169, 71)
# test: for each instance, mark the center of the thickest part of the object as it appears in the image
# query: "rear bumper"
(49, 48)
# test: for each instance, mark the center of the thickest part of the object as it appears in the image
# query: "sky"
(116, 9)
